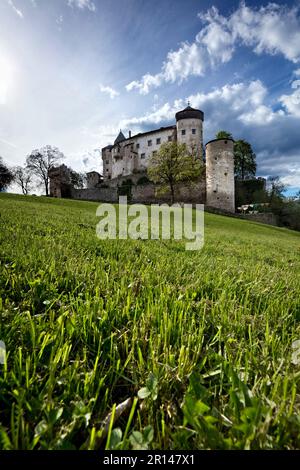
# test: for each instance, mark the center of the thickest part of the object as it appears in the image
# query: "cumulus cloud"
(241, 108)
(83, 4)
(109, 91)
(292, 179)
(148, 82)
(291, 102)
(245, 101)
(15, 9)
(272, 29)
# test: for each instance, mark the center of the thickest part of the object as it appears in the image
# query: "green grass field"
(200, 342)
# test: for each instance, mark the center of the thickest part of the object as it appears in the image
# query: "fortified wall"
(138, 190)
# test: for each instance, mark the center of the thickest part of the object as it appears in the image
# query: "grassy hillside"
(201, 342)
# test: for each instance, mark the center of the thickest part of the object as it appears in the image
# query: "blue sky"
(73, 72)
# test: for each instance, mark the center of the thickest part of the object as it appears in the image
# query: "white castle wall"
(133, 154)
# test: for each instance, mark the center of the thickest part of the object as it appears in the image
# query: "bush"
(143, 180)
(288, 214)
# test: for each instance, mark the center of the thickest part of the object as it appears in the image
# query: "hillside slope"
(88, 323)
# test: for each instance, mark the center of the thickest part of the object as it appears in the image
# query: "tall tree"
(23, 178)
(41, 161)
(6, 176)
(78, 180)
(276, 188)
(223, 135)
(244, 160)
(171, 165)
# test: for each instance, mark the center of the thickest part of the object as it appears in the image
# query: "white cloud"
(109, 91)
(216, 37)
(82, 4)
(164, 113)
(188, 60)
(292, 102)
(292, 178)
(274, 29)
(15, 9)
(261, 115)
(148, 81)
(241, 100)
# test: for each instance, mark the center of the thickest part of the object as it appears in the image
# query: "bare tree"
(276, 188)
(23, 178)
(41, 161)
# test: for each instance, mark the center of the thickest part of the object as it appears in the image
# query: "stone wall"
(143, 193)
(263, 217)
(96, 194)
(147, 193)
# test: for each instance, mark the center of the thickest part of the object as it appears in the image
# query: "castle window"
(183, 132)
(107, 169)
(143, 155)
(131, 146)
(107, 162)
(149, 143)
(193, 131)
(169, 138)
(158, 141)
(137, 146)
(225, 174)
(154, 153)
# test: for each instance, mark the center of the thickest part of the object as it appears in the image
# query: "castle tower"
(189, 126)
(220, 174)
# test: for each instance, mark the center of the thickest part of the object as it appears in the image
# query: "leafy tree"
(23, 178)
(41, 161)
(223, 135)
(6, 176)
(244, 160)
(171, 165)
(78, 180)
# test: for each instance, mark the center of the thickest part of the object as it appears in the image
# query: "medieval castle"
(125, 167)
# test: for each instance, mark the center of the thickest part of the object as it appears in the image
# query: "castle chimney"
(129, 134)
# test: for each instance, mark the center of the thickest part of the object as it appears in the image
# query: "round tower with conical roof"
(189, 126)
